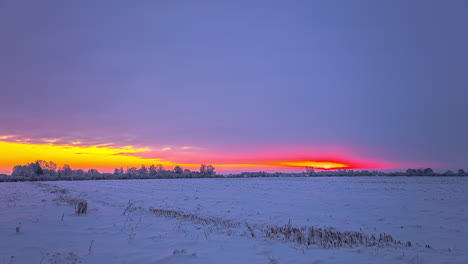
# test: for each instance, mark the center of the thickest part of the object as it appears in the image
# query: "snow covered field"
(221, 220)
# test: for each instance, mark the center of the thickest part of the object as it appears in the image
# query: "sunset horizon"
(106, 157)
(254, 132)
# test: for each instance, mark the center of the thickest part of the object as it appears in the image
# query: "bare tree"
(202, 169)
(152, 171)
(143, 171)
(65, 170)
(210, 170)
(132, 172)
(160, 168)
(178, 170)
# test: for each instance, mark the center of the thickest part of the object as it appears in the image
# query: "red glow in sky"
(108, 156)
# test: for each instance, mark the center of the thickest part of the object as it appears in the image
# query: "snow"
(424, 210)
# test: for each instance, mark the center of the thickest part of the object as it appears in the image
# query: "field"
(252, 220)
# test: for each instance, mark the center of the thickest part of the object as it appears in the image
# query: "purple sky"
(384, 80)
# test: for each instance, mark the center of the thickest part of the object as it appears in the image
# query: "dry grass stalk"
(329, 237)
(81, 208)
(195, 218)
(91, 247)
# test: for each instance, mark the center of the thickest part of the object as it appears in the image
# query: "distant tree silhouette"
(132, 172)
(310, 170)
(42, 170)
(37, 168)
(210, 170)
(428, 172)
(152, 171)
(207, 170)
(160, 168)
(202, 169)
(65, 170)
(448, 173)
(80, 173)
(118, 171)
(143, 171)
(178, 170)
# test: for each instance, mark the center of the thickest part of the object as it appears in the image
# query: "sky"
(245, 85)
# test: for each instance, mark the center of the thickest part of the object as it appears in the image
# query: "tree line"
(311, 172)
(408, 172)
(49, 171)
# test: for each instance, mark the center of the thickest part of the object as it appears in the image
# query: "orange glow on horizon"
(99, 156)
(106, 157)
